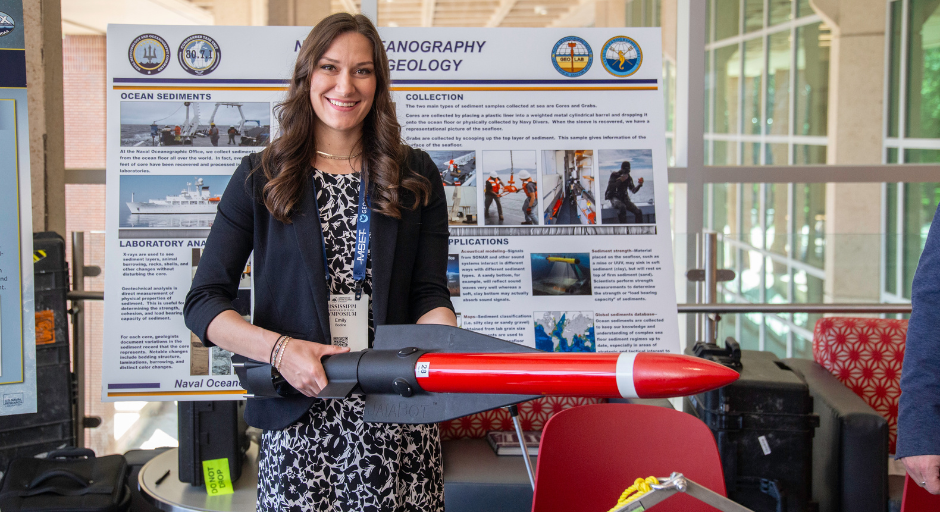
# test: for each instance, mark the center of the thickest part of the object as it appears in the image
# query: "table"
(475, 479)
(175, 496)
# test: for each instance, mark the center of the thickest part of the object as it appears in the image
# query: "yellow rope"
(635, 491)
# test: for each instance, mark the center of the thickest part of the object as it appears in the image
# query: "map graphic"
(564, 331)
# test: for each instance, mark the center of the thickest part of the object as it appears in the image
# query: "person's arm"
(632, 186)
(208, 310)
(429, 294)
(300, 363)
(439, 315)
(919, 406)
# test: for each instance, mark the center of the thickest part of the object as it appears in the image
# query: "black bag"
(70, 480)
(763, 424)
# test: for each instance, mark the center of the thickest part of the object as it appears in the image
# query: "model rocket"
(433, 373)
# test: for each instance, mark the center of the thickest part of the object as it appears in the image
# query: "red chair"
(917, 499)
(590, 454)
(866, 355)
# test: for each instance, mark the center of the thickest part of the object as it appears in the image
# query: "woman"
(295, 206)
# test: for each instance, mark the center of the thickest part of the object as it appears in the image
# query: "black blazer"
(409, 265)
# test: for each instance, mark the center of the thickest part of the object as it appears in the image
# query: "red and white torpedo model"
(433, 373)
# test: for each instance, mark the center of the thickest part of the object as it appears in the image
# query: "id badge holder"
(349, 321)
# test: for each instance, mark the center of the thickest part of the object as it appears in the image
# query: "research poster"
(550, 144)
(17, 315)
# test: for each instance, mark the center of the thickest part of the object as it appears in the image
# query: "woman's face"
(342, 87)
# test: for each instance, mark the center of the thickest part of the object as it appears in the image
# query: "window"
(758, 110)
(767, 88)
(912, 135)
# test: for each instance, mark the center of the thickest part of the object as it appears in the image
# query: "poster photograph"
(629, 198)
(196, 124)
(516, 173)
(569, 180)
(170, 201)
(457, 168)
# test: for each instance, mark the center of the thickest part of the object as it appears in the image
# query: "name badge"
(349, 321)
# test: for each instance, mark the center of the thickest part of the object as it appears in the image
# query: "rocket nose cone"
(672, 375)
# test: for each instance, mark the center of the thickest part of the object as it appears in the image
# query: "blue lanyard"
(363, 220)
(364, 215)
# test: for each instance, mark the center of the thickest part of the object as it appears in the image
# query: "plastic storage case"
(763, 424)
(26, 435)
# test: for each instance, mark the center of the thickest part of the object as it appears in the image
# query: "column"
(297, 12)
(610, 13)
(43, 33)
(240, 12)
(856, 96)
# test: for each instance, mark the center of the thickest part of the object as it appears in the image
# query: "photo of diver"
(561, 273)
(626, 179)
(568, 182)
(457, 167)
(512, 184)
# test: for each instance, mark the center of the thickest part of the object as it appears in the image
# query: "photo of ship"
(170, 201)
(195, 198)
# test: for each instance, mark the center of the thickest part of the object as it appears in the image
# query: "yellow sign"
(218, 480)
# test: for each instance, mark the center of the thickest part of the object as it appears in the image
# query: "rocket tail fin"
(433, 407)
(441, 338)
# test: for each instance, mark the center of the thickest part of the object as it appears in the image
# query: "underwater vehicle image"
(561, 274)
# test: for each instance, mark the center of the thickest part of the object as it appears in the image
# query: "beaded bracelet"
(281, 353)
(274, 348)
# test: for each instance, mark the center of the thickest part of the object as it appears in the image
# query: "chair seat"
(590, 454)
(865, 354)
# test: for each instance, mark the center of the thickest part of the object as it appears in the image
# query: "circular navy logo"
(6, 24)
(199, 54)
(149, 54)
(572, 56)
(622, 56)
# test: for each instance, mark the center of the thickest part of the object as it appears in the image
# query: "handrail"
(795, 308)
(705, 308)
(85, 295)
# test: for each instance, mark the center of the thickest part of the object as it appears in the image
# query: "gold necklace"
(335, 157)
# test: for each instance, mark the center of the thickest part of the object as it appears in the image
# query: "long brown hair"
(286, 162)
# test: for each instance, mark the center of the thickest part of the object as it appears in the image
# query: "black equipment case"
(68, 480)
(209, 431)
(26, 435)
(763, 424)
(135, 462)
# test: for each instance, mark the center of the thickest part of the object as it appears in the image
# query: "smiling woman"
(342, 59)
(348, 228)
(341, 91)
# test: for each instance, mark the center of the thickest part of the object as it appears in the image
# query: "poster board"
(17, 320)
(581, 259)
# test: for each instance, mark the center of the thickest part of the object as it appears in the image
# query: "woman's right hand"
(301, 366)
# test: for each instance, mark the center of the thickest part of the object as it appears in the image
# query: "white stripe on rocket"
(625, 375)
